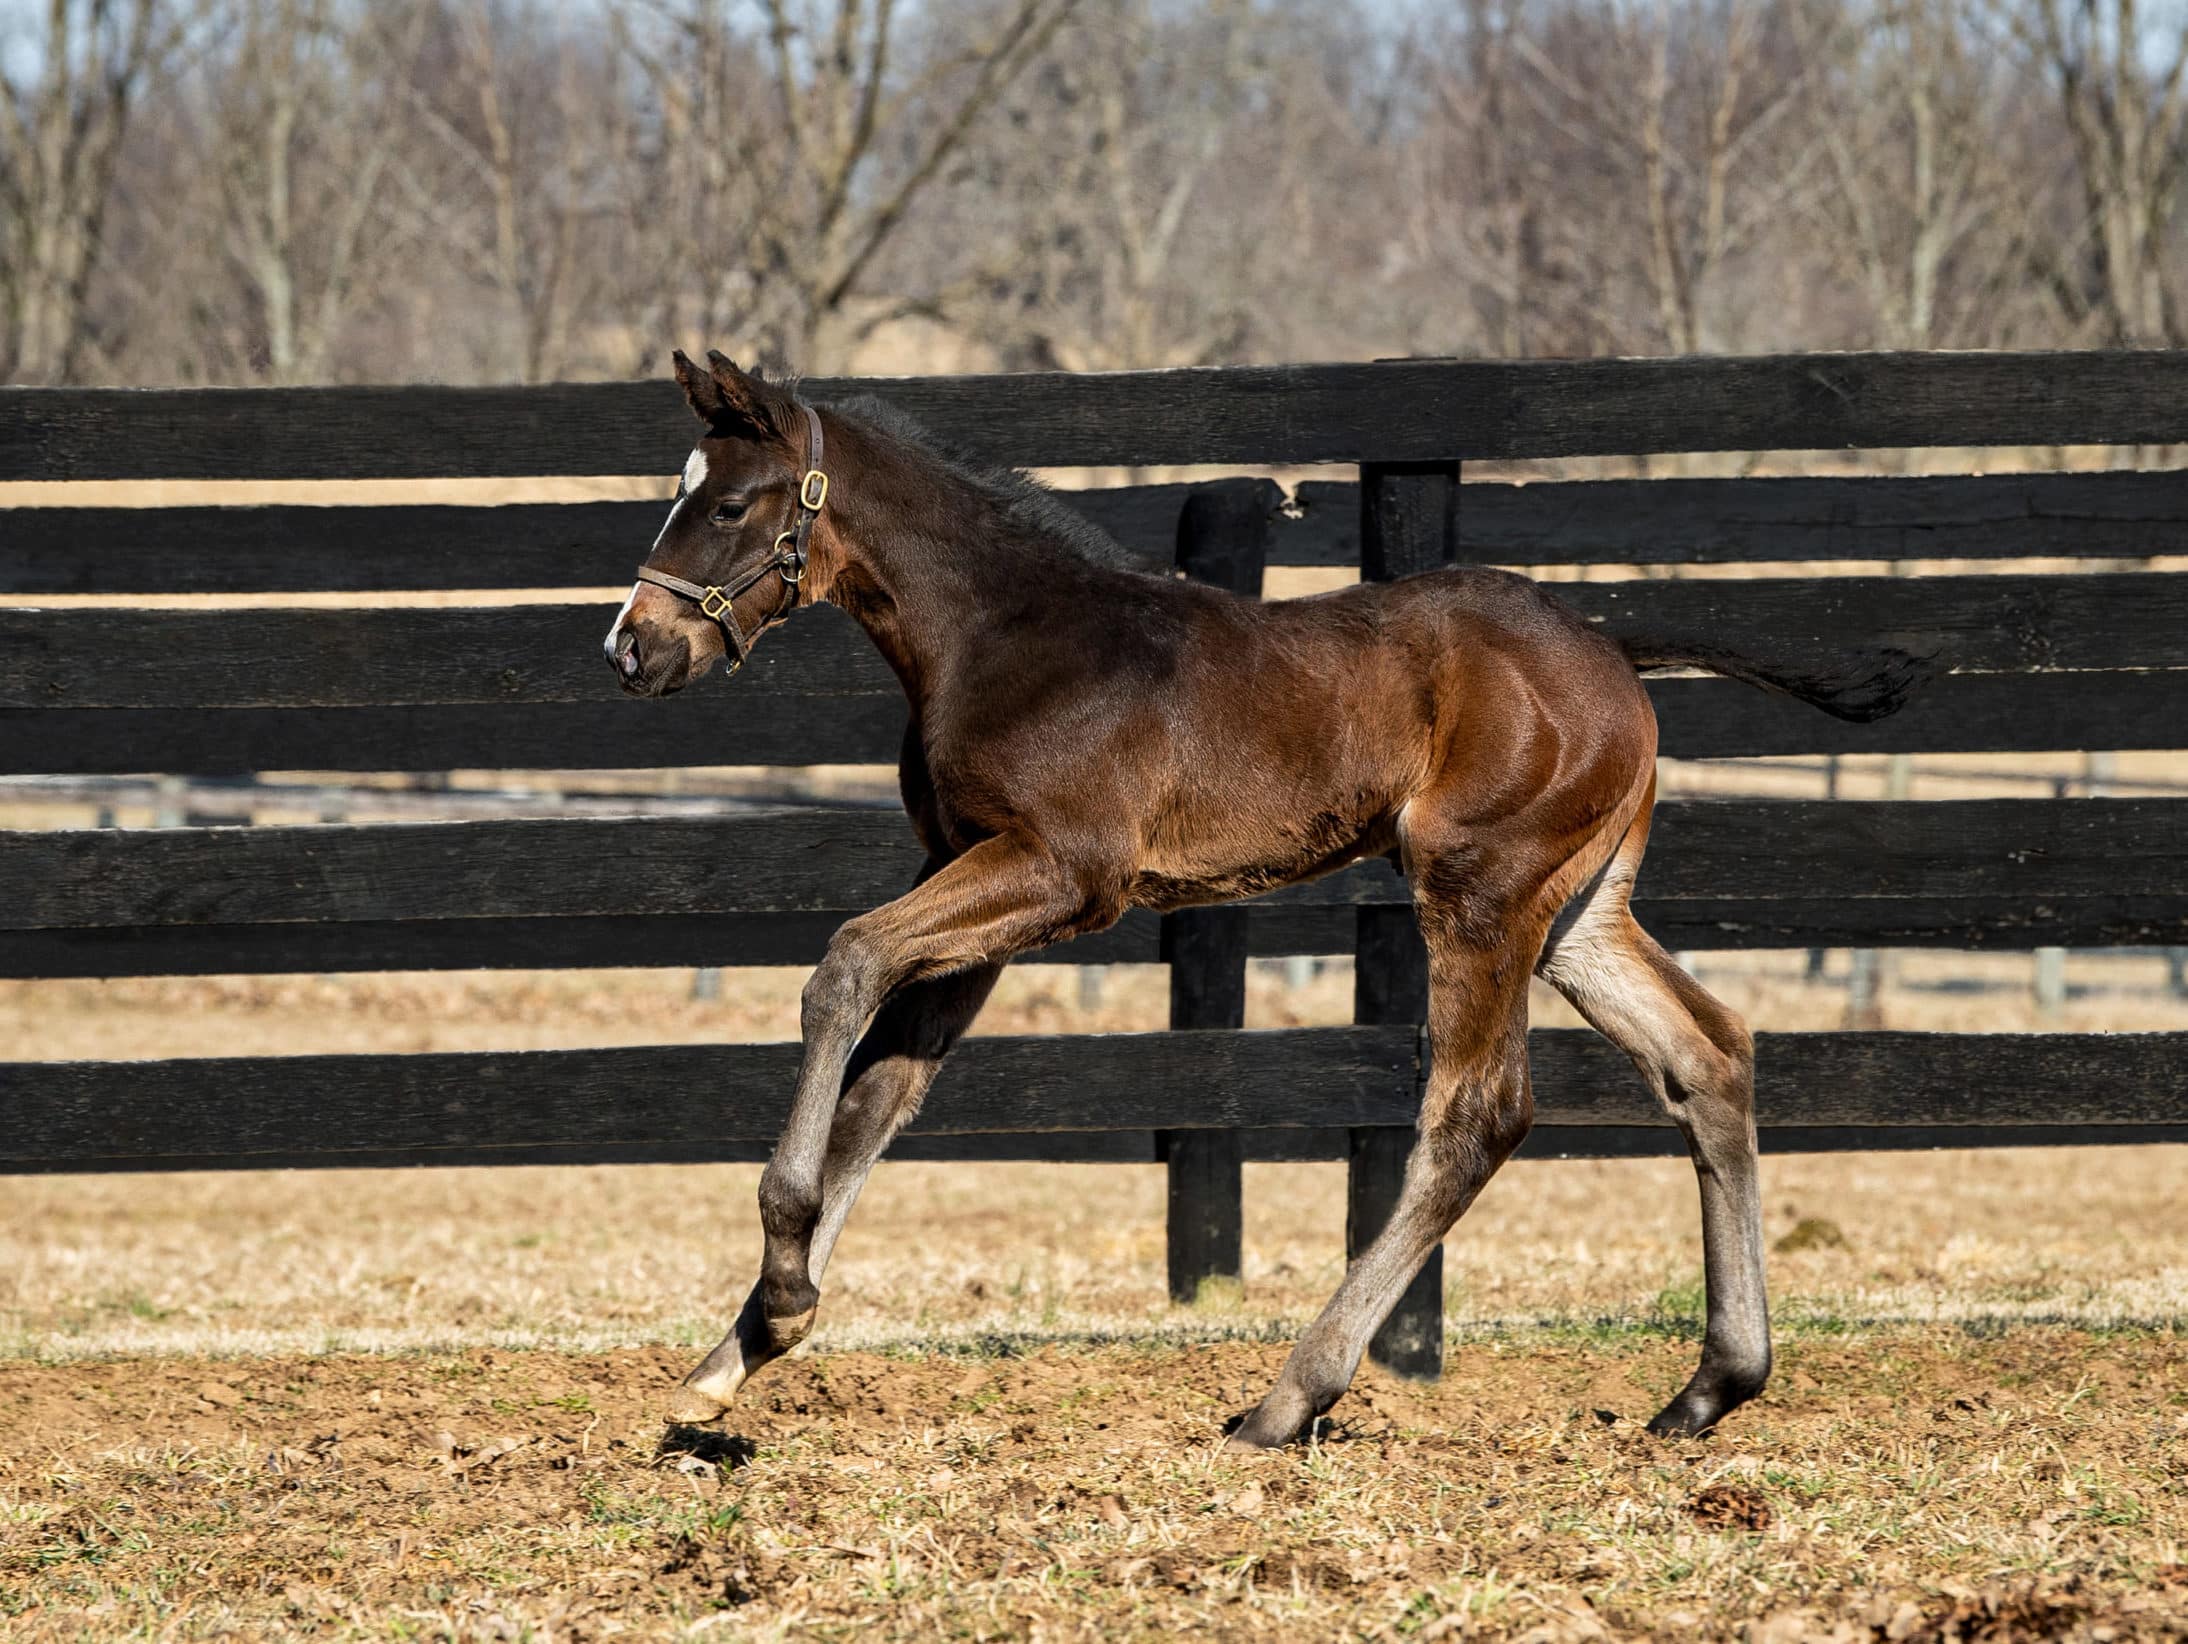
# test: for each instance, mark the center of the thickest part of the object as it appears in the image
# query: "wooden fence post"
(1223, 537)
(1409, 521)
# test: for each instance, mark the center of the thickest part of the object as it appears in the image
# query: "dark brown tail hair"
(1867, 685)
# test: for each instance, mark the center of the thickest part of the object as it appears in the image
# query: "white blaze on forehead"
(694, 476)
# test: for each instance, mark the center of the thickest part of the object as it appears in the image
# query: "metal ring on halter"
(790, 566)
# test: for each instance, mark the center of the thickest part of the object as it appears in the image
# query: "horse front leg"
(887, 1079)
(1003, 897)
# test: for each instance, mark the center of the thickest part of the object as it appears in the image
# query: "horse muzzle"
(654, 664)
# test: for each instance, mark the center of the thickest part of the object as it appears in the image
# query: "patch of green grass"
(1680, 1304)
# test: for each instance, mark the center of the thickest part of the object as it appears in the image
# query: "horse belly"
(1232, 853)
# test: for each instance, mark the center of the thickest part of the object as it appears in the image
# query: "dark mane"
(1025, 501)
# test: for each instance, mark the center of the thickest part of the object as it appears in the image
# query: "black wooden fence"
(2092, 661)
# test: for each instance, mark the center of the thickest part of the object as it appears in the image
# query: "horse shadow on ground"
(728, 1451)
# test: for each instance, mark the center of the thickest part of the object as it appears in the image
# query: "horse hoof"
(691, 1406)
(1678, 1419)
(1263, 1428)
(706, 1394)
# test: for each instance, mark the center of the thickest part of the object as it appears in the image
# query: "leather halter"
(719, 603)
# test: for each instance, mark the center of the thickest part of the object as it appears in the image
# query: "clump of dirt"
(1729, 1507)
(495, 1495)
(2000, 1615)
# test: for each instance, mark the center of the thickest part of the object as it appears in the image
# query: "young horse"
(1087, 738)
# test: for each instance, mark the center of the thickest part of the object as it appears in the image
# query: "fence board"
(281, 548)
(1953, 713)
(131, 658)
(750, 725)
(303, 549)
(289, 657)
(1403, 411)
(709, 726)
(1815, 1090)
(1974, 624)
(1138, 1147)
(683, 1094)
(2118, 514)
(1934, 870)
(2126, 920)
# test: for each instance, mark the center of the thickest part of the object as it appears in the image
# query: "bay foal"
(1087, 738)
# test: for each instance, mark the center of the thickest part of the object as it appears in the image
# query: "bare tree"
(1689, 114)
(1155, 122)
(820, 171)
(2119, 81)
(305, 117)
(1507, 233)
(1937, 192)
(62, 125)
(510, 181)
(1158, 191)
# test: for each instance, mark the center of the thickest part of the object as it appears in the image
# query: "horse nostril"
(625, 654)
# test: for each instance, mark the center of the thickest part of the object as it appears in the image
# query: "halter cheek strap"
(719, 604)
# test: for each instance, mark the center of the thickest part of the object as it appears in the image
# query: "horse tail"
(1866, 685)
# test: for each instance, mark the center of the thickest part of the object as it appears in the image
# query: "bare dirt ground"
(1894, 1486)
(427, 1405)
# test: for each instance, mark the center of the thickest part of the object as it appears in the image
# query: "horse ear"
(700, 390)
(750, 398)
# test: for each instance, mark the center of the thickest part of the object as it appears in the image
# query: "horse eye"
(729, 513)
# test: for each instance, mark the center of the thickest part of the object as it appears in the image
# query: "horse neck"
(917, 556)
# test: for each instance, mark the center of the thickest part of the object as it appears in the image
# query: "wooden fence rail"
(2018, 663)
(372, 549)
(1395, 411)
(680, 1101)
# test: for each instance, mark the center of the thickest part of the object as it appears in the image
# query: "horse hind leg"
(1475, 1111)
(1697, 1056)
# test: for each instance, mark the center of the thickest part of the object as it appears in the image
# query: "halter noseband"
(719, 603)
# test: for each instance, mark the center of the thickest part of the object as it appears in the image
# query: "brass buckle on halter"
(814, 491)
(713, 603)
